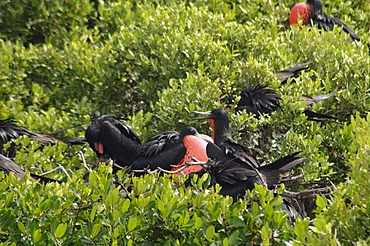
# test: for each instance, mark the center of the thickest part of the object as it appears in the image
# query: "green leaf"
(225, 242)
(237, 222)
(95, 230)
(125, 206)
(233, 239)
(36, 235)
(132, 224)
(321, 202)
(61, 229)
(265, 234)
(21, 227)
(93, 212)
(198, 223)
(113, 197)
(210, 233)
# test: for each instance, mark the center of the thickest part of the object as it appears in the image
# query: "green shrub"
(154, 62)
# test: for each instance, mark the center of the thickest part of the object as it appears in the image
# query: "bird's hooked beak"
(207, 115)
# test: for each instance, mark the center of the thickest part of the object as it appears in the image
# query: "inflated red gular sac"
(312, 11)
(170, 151)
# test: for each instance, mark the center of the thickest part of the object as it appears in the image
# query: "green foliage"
(154, 62)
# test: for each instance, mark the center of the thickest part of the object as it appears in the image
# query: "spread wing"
(258, 100)
(323, 21)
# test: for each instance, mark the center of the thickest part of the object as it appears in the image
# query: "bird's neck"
(220, 132)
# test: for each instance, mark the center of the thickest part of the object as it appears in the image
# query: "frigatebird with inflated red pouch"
(172, 150)
(311, 12)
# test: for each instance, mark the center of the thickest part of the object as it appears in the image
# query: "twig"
(84, 162)
(118, 166)
(305, 195)
(182, 167)
(293, 178)
(64, 170)
(48, 172)
(145, 170)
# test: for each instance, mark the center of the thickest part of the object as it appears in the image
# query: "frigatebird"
(235, 177)
(171, 150)
(252, 95)
(7, 166)
(109, 136)
(9, 130)
(311, 12)
(241, 156)
(260, 99)
(219, 120)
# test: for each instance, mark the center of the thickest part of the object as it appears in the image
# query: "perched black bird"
(235, 177)
(9, 130)
(7, 166)
(262, 100)
(259, 99)
(109, 136)
(312, 11)
(219, 120)
(170, 149)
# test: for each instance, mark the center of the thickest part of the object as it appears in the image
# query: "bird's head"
(216, 115)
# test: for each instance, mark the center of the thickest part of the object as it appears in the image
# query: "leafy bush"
(154, 62)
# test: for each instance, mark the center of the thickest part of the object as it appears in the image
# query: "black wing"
(118, 144)
(9, 130)
(323, 21)
(258, 100)
(292, 72)
(274, 173)
(162, 150)
(319, 117)
(7, 166)
(125, 129)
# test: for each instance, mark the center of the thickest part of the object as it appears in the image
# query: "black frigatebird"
(238, 156)
(311, 12)
(260, 99)
(109, 136)
(171, 150)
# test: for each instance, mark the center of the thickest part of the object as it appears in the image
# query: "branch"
(48, 172)
(84, 162)
(305, 195)
(64, 170)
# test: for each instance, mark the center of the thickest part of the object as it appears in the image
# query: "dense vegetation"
(153, 62)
